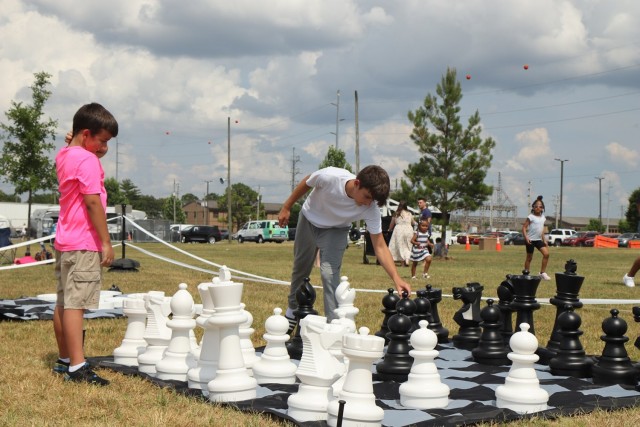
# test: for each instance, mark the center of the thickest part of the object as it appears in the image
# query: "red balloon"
(526, 67)
(468, 76)
(167, 132)
(236, 121)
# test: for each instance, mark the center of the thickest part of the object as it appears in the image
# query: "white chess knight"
(157, 334)
(232, 381)
(360, 408)
(133, 344)
(318, 369)
(275, 365)
(522, 392)
(346, 311)
(178, 358)
(423, 389)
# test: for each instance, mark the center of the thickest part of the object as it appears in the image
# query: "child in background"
(441, 250)
(420, 249)
(533, 232)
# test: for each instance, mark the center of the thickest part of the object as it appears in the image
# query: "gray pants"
(331, 243)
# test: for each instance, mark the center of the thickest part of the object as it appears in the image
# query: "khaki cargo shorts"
(79, 277)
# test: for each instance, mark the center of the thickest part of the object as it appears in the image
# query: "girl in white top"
(533, 231)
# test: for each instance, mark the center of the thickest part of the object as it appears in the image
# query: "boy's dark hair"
(376, 180)
(95, 118)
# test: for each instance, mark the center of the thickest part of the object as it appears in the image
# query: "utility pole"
(561, 184)
(357, 136)
(229, 223)
(206, 202)
(294, 171)
(600, 178)
(258, 204)
(337, 105)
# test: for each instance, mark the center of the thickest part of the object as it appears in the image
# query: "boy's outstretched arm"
(386, 261)
(298, 192)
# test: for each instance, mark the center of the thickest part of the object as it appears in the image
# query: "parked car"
(579, 238)
(201, 233)
(263, 231)
(224, 234)
(514, 239)
(623, 239)
(175, 231)
(558, 235)
(491, 234)
(292, 233)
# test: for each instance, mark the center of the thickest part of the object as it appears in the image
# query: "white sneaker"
(425, 276)
(628, 281)
(545, 276)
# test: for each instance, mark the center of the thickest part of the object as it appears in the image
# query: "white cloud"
(618, 153)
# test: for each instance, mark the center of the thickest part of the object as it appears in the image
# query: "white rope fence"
(242, 275)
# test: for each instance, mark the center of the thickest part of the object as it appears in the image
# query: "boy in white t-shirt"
(338, 198)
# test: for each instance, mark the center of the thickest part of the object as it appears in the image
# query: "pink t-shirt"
(79, 173)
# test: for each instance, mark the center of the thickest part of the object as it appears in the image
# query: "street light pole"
(337, 104)
(561, 184)
(229, 223)
(206, 202)
(600, 178)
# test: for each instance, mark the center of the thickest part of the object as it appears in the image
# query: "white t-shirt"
(328, 205)
(536, 227)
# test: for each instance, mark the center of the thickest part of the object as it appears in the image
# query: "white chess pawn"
(275, 366)
(157, 334)
(133, 344)
(522, 392)
(423, 389)
(178, 359)
(245, 331)
(360, 409)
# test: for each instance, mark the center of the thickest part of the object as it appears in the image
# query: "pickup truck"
(557, 236)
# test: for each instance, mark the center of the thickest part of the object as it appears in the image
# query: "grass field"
(31, 395)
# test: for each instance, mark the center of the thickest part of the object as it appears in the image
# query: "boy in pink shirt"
(82, 244)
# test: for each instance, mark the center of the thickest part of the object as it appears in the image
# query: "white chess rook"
(275, 366)
(133, 344)
(360, 409)
(521, 392)
(423, 389)
(205, 371)
(178, 359)
(232, 381)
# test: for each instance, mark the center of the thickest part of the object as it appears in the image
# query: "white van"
(263, 231)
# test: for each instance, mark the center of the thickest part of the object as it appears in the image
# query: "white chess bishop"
(522, 392)
(275, 365)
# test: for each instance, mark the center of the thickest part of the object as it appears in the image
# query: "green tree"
(188, 198)
(337, 158)
(595, 225)
(4, 197)
(46, 198)
(114, 195)
(212, 196)
(130, 192)
(149, 204)
(243, 200)
(454, 159)
(25, 161)
(172, 210)
(632, 215)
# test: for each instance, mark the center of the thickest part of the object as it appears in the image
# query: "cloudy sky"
(173, 72)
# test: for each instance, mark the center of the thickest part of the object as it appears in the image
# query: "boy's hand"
(283, 217)
(68, 137)
(402, 286)
(107, 255)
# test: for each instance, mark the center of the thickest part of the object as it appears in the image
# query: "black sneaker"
(85, 375)
(60, 367)
(292, 324)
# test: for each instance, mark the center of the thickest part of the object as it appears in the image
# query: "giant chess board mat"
(37, 309)
(471, 400)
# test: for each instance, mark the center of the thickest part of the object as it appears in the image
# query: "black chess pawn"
(524, 300)
(423, 309)
(491, 349)
(505, 298)
(408, 308)
(468, 316)
(570, 358)
(568, 286)
(434, 296)
(636, 317)
(614, 366)
(396, 364)
(305, 297)
(389, 302)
